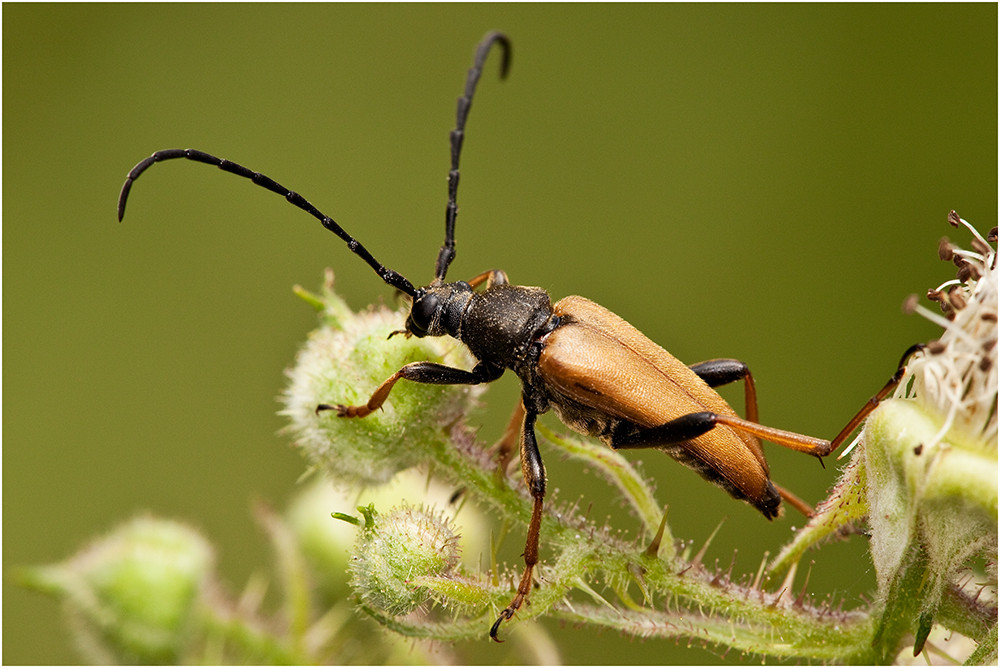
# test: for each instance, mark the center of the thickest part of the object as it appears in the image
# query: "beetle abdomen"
(598, 360)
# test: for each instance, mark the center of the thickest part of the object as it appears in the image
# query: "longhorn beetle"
(600, 374)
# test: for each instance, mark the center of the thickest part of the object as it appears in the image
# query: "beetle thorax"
(501, 323)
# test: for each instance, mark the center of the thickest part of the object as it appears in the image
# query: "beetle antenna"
(447, 252)
(391, 277)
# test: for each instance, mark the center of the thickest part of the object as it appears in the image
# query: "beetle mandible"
(601, 375)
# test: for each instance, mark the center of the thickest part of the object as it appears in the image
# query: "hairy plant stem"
(679, 599)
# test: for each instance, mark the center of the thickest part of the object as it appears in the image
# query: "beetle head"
(437, 309)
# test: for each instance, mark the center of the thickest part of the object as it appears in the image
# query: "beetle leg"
(813, 446)
(873, 403)
(534, 477)
(720, 372)
(491, 277)
(692, 425)
(724, 371)
(504, 448)
(420, 372)
(677, 430)
(793, 500)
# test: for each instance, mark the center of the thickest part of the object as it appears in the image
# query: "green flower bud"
(327, 544)
(927, 492)
(343, 362)
(132, 596)
(395, 547)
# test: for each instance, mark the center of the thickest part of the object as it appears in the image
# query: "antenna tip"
(496, 36)
(123, 197)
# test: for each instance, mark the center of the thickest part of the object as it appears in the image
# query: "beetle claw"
(504, 616)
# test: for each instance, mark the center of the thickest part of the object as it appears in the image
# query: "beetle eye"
(422, 314)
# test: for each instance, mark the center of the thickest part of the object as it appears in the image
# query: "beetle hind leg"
(720, 372)
(724, 371)
(818, 447)
(693, 425)
(793, 500)
(673, 436)
(880, 396)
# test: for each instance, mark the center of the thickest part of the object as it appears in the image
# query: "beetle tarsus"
(353, 411)
(515, 605)
(345, 411)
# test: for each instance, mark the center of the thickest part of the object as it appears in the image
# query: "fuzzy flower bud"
(132, 596)
(343, 362)
(327, 544)
(395, 547)
(942, 498)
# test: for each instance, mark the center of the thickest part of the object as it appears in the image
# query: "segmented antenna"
(447, 252)
(391, 277)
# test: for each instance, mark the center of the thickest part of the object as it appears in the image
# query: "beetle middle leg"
(504, 448)
(534, 477)
(419, 372)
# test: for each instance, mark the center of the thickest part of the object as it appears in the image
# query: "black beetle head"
(437, 309)
(423, 313)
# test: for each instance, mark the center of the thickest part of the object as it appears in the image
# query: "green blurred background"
(765, 182)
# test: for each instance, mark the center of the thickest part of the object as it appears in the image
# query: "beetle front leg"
(491, 277)
(534, 477)
(419, 372)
